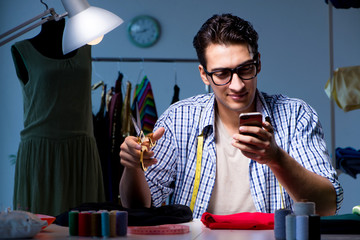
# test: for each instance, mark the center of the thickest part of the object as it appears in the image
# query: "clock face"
(144, 31)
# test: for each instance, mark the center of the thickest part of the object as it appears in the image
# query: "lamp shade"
(85, 24)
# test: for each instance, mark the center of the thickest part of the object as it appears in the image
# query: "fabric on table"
(340, 224)
(167, 214)
(245, 221)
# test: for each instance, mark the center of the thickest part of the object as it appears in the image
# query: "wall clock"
(144, 31)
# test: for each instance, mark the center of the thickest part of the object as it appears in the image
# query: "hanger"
(175, 73)
(125, 77)
(96, 73)
(46, 6)
(141, 71)
(97, 85)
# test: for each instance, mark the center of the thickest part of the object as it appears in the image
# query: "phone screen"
(251, 119)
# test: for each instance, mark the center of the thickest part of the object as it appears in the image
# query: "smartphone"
(251, 119)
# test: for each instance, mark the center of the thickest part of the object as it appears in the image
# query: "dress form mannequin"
(57, 165)
(48, 42)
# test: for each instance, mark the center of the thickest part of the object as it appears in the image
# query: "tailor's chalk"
(113, 223)
(279, 223)
(121, 223)
(84, 223)
(95, 225)
(105, 224)
(302, 227)
(73, 223)
(304, 208)
(290, 227)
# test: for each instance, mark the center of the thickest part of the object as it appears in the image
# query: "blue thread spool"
(290, 227)
(302, 227)
(304, 208)
(73, 223)
(279, 224)
(121, 223)
(105, 225)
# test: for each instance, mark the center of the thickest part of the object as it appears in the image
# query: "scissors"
(145, 141)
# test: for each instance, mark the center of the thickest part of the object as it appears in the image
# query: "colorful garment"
(144, 99)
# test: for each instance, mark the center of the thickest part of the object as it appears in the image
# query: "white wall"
(294, 43)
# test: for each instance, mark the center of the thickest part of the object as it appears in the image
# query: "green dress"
(58, 165)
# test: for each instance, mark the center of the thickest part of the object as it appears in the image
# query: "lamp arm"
(53, 16)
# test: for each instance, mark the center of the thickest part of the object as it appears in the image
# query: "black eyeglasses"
(245, 71)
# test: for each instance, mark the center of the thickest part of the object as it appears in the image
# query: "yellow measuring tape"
(199, 153)
(200, 144)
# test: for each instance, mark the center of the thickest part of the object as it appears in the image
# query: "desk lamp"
(86, 24)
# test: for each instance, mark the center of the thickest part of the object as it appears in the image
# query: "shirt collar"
(261, 105)
(207, 115)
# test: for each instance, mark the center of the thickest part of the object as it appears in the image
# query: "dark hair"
(225, 29)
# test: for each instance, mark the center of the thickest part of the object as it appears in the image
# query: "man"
(240, 169)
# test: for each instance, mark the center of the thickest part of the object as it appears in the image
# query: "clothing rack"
(332, 105)
(119, 59)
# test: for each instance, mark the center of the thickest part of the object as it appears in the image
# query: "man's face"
(238, 95)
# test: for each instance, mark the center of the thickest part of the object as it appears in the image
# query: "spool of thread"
(302, 227)
(105, 224)
(113, 223)
(314, 227)
(304, 208)
(121, 223)
(95, 227)
(84, 223)
(73, 223)
(290, 227)
(279, 224)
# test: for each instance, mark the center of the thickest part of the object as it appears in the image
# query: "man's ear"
(203, 75)
(259, 64)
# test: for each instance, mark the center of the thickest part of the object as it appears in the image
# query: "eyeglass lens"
(245, 72)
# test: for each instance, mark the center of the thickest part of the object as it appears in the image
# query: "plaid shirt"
(297, 130)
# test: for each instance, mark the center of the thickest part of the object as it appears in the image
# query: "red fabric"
(245, 221)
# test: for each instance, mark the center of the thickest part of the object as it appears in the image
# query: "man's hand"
(130, 151)
(257, 143)
(262, 148)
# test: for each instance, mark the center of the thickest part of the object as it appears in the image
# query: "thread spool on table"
(121, 223)
(304, 208)
(279, 224)
(290, 227)
(84, 223)
(74, 223)
(302, 227)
